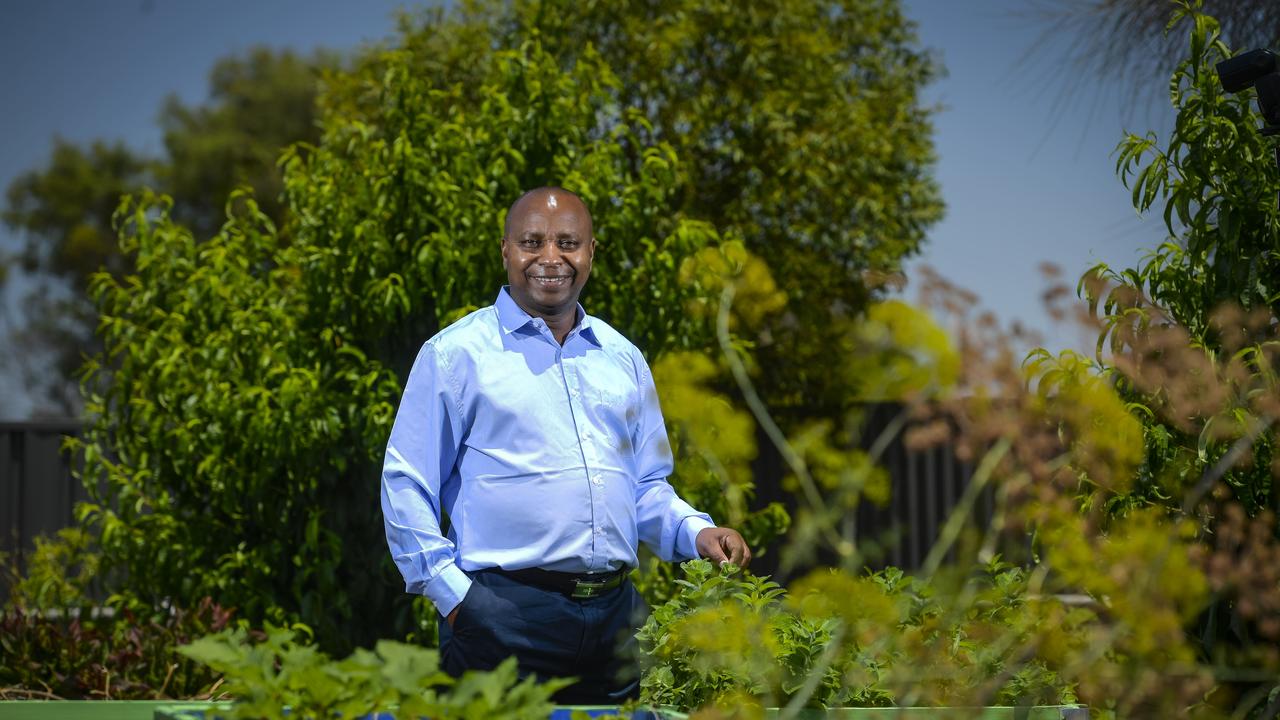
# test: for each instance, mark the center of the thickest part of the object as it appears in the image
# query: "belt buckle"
(587, 588)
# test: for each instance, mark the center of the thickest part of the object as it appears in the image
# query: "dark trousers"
(551, 635)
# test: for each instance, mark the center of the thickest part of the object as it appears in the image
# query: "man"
(536, 429)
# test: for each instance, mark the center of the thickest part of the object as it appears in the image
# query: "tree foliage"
(1209, 295)
(258, 103)
(65, 212)
(801, 126)
(247, 387)
(248, 379)
(1190, 338)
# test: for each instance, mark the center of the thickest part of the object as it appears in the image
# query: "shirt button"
(596, 479)
(599, 531)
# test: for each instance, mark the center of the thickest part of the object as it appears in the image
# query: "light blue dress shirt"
(541, 455)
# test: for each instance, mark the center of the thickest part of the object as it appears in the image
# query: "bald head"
(547, 248)
(545, 199)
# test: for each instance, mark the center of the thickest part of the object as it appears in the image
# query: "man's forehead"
(539, 209)
(541, 219)
(550, 199)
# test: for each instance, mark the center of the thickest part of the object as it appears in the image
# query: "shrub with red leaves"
(116, 658)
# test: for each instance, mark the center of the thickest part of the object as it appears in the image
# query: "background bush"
(248, 380)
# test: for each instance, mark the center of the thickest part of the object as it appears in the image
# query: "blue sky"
(1026, 167)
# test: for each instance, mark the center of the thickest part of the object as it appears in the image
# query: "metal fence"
(38, 492)
(924, 487)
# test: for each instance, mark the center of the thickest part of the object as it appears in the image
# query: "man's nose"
(550, 254)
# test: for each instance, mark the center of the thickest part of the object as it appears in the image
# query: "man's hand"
(720, 545)
(452, 614)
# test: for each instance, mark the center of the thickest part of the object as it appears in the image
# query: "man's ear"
(504, 253)
(593, 247)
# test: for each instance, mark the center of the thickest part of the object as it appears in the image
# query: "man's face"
(547, 252)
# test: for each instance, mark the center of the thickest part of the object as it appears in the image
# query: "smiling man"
(535, 428)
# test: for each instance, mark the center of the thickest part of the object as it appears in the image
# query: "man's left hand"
(721, 545)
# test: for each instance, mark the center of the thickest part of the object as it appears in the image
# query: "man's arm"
(420, 456)
(667, 523)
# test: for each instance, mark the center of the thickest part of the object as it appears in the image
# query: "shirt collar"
(512, 317)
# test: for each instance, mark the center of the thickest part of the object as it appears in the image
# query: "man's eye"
(529, 243)
(567, 244)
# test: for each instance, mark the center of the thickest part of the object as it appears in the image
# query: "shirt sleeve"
(666, 523)
(420, 456)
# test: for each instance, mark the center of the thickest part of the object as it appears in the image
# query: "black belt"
(575, 585)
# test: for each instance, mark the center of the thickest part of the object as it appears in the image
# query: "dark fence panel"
(925, 486)
(37, 491)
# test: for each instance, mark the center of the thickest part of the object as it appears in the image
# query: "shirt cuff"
(448, 588)
(687, 536)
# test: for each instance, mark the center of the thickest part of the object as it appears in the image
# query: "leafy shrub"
(880, 640)
(60, 572)
(75, 656)
(1205, 302)
(281, 676)
(1191, 337)
(249, 380)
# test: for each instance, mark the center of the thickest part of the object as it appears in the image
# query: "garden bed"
(169, 710)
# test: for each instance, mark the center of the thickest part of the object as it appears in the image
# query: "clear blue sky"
(1027, 177)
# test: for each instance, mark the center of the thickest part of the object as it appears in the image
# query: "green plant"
(249, 381)
(282, 676)
(835, 640)
(1190, 338)
(1207, 294)
(60, 572)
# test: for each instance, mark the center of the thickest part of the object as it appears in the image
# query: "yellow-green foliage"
(899, 351)
(841, 640)
(713, 442)
(708, 271)
(705, 425)
(59, 572)
(864, 607)
(1104, 438)
(1142, 571)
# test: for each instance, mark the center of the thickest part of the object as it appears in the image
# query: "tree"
(65, 211)
(257, 370)
(258, 104)
(252, 387)
(782, 113)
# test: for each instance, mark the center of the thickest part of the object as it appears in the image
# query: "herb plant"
(281, 676)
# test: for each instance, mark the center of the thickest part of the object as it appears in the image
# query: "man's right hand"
(452, 614)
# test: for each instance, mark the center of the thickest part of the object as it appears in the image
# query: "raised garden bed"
(169, 710)
(199, 711)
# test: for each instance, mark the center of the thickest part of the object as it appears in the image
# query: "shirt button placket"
(589, 460)
(596, 486)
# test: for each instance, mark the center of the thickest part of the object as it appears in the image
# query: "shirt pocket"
(615, 412)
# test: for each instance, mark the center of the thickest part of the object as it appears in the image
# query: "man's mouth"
(550, 281)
